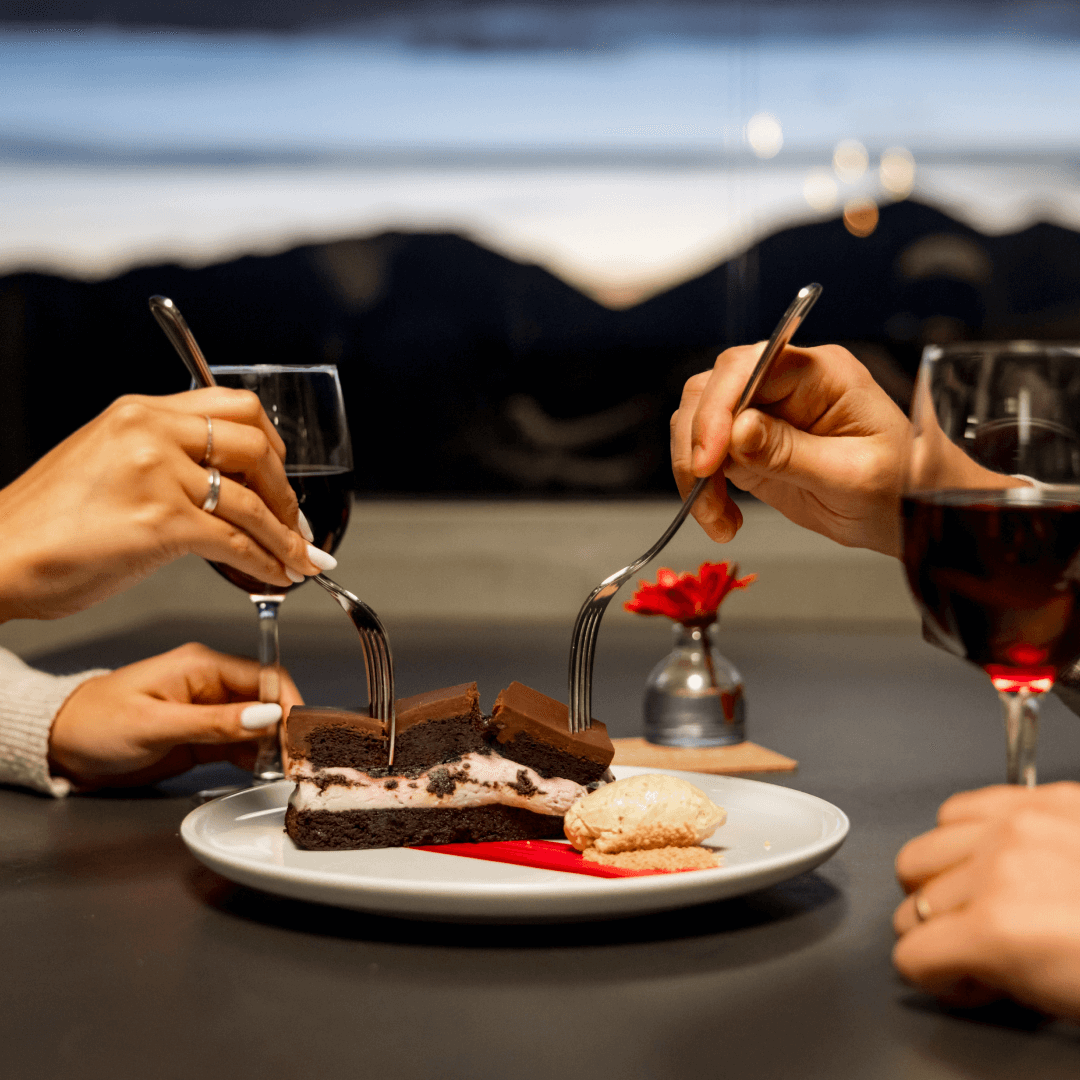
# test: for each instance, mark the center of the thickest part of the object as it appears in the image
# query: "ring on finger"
(922, 907)
(214, 493)
(209, 442)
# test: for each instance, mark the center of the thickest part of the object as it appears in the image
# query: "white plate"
(772, 833)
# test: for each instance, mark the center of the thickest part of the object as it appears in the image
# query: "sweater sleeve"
(29, 701)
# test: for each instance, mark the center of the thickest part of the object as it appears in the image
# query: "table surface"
(123, 957)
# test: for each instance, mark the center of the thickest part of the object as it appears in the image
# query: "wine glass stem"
(1021, 708)
(268, 767)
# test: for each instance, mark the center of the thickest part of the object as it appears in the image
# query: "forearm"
(29, 701)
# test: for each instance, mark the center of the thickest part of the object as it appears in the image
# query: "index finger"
(934, 852)
(239, 680)
(710, 431)
(1006, 800)
(226, 403)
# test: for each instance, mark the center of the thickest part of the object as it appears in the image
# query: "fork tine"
(378, 659)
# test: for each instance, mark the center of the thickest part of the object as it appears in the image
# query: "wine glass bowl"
(991, 518)
(307, 409)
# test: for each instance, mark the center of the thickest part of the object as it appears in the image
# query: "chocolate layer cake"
(457, 775)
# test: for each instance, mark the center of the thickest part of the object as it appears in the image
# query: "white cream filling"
(482, 780)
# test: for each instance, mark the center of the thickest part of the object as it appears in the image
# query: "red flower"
(690, 600)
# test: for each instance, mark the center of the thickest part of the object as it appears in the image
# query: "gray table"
(122, 957)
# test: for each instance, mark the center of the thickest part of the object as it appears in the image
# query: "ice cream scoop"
(642, 812)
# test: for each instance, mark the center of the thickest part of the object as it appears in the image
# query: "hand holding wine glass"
(123, 496)
(307, 411)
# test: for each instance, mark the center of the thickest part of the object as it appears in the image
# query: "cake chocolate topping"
(335, 737)
(456, 776)
(439, 725)
(535, 730)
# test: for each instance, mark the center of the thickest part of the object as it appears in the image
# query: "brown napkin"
(744, 757)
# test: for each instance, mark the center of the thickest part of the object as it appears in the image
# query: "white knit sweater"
(29, 701)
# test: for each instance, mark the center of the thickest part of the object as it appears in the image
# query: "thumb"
(772, 447)
(173, 723)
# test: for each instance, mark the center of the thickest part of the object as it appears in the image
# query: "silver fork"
(587, 624)
(378, 661)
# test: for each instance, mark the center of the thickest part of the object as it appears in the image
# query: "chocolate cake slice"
(535, 730)
(452, 779)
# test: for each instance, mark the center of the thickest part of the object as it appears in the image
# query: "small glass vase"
(694, 696)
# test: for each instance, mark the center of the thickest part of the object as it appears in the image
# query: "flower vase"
(694, 697)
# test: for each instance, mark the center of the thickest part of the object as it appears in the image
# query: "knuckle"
(192, 651)
(239, 543)
(736, 352)
(248, 504)
(248, 404)
(1025, 825)
(129, 411)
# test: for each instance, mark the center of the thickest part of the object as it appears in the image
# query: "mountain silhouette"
(467, 372)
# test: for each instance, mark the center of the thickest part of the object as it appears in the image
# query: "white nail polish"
(322, 559)
(294, 577)
(305, 528)
(259, 716)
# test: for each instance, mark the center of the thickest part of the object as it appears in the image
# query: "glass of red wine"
(991, 519)
(306, 407)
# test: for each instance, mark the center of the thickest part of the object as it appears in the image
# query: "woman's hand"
(161, 716)
(122, 496)
(825, 445)
(998, 882)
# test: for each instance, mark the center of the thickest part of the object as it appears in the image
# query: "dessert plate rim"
(453, 888)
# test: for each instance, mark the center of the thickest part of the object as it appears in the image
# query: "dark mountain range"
(470, 373)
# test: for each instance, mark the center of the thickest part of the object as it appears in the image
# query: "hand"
(161, 716)
(122, 496)
(826, 445)
(1000, 876)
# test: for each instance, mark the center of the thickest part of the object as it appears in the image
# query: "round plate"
(772, 833)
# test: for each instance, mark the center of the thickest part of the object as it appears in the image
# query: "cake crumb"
(665, 858)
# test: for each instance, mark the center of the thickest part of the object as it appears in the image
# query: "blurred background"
(517, 228)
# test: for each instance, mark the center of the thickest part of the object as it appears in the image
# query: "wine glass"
(307, 410)
(991, 518)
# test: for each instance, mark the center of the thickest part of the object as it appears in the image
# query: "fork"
(378, 661)
(587, 624)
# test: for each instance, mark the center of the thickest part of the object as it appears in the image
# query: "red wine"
(997, 579)
(326, 500)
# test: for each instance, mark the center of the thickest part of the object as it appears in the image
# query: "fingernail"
(259, 716)
(305, 528)
(322, 559)
(294, 577)
(753, 437)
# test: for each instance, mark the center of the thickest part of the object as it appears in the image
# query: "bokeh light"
(860, 216)
(850, 160)
(897, 172)
(764, 134)
(820, 190)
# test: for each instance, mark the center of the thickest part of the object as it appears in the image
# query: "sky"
(621, 166)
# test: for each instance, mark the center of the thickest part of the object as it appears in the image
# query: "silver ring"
(212, 496)
(922, 908)
(209, 442)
